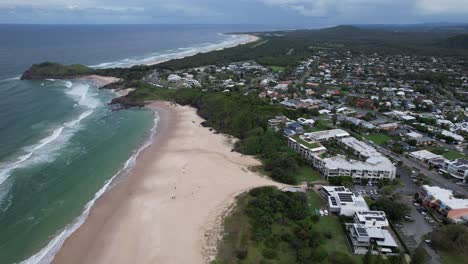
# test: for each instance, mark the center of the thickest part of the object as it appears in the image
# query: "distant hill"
(457, 42)
(450, 28)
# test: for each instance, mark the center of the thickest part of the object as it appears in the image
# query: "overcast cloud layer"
(311, 13)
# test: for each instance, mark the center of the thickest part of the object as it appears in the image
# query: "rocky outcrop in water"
(52, 70)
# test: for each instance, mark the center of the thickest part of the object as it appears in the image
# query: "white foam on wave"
(47, 254)
(11, 79)
(230, 41)
(80, 93)
(44, 151)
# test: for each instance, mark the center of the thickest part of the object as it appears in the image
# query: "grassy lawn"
(310, 145)
(331, 225)
(450, 258)
(307, 174)
(315, 201)
(277, 68)
(378, 138)
(320, 125)
(453, 155)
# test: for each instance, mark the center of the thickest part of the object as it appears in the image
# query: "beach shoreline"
(102, 81)
(250, 38)
(173, 200)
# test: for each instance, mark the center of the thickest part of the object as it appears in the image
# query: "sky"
(305, 13)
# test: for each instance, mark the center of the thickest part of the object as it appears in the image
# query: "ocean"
(60, 142)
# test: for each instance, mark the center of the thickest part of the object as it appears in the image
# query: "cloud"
(320, 8)
(437, 7)
(313, 13)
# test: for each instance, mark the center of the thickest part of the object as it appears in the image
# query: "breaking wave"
(47, 254)
(230, 41)
(45, 150)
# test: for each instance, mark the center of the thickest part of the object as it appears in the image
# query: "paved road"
(435, 177)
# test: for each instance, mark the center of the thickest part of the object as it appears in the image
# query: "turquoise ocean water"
(60, 142)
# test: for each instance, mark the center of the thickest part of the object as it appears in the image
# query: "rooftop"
(424, 155)
(380, 163)
(446, 197)
(309, 144)
(361, 147)
(326, 134)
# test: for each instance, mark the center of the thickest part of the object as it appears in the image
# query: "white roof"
(373, 163)
(424, 155)
(388, 241)
(348, 202)
(361, 147)
(382, 236)
(414, 135)
(326, 134)
(446, 197)
(333, 189)
(407, 117)
(452, 135)
(324, 111)
(305, 121)
(372, 218)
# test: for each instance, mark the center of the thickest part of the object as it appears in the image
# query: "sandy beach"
(170, 207)
(99, 80)
(250, 38)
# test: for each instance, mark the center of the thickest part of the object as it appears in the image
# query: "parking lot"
(367, 190)
(413, 232)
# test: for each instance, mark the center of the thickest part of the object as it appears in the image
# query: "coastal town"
(234, 132)
(335, 146)
(376, 131)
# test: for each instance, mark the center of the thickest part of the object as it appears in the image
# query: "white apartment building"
(457, 168)
(374, 167)
(371, 219)
(362, 237)
(326, 135)
(343, 202)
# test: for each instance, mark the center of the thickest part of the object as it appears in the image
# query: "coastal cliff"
(51, 70)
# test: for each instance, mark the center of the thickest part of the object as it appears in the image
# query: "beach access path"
(170, 207)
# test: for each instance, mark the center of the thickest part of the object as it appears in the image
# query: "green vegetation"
(310, 145)
(395, 210)
(451, 241)
(55, 70)
(378, 138)
(271, 226)
(307, 174)
(448, 153)
(450, 258)
(244, 117)
(277, 68)
(453, 155)
(320, 125)
(458, 41)
(287, 48)
(341, 181)
(419, 256)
